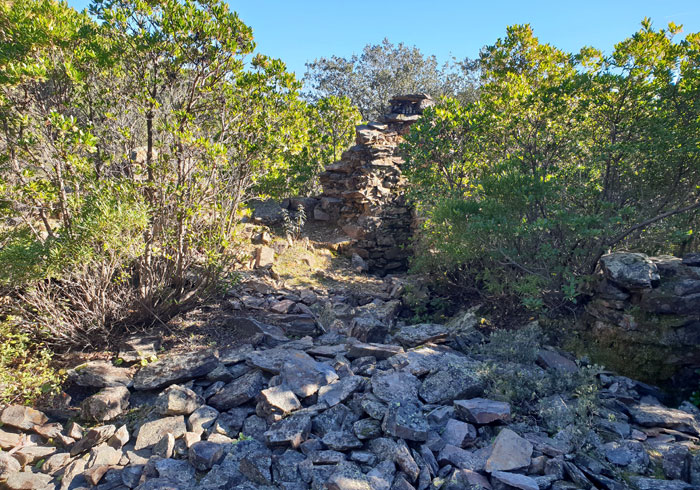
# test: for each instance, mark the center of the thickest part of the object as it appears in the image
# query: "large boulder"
(630, 270)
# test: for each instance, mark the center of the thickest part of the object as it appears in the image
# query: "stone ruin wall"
(643, 319)
(363, 192)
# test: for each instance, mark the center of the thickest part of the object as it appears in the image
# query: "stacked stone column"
(364, 191)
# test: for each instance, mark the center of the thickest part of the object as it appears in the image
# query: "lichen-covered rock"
(405, 420)
(415, 335)
(291, 431)
(630, 270)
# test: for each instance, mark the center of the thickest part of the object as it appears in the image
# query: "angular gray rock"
(152, 432)
(554, 360)
(516, 480)
(202, 418)
(278, 401)
(451, 383)
(178, 400)
(395, 386)
(657, 416)
(458, 433)
(629, 270)
(341, 441)
(100, 374)
(348, 476)
(292, 431)
(305, 377)
(642, 483)
(339, 391)
(405, 420)
(510, 452)
(379, 351)
(22, 417)
(174, 369)
(256, 467)
(238, 391)
(92, 438)
(204, 454)
(415, 335)
(482, 411)
(108, 404)
(272, 360)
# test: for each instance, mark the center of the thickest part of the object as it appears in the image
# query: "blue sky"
(299, 31)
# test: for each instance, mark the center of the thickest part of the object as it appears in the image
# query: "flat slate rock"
(21, 417)
(670, 418)
(238, 391)
(510, 452)
(482, 411)
(152, 432)
(340, 390)
(516, 480)
(138, 348)
(415, 335)
(379, 351)
(272, 360)
(100, 374)
(174, 369)
(395, 386)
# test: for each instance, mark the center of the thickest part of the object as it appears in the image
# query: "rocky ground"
(332, 411)
(305, 378)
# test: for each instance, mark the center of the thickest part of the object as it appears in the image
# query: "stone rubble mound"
(337, 413)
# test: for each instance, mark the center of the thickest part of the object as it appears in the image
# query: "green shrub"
(26, 372)
(561, 159)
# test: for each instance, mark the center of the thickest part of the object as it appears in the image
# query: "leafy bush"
(561, 159)
(129, 140)
(26, 373)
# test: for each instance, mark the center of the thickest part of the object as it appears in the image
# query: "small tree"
(383, 71)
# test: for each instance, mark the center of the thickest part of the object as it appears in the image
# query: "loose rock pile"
(363, 191)
(336, 413)
(645, 315)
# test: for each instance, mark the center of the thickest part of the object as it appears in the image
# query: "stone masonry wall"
(363, 191)
(644, 318)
